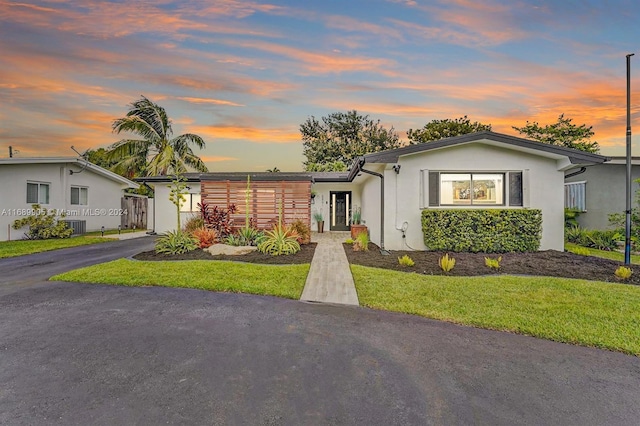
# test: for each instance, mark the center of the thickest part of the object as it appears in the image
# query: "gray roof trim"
(191, 177)
(330, 176)
(575, 156)
(257, 176)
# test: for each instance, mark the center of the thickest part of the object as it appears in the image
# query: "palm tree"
(274, 170)
(156, 153)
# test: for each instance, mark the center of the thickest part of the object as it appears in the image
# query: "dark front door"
(339, 208)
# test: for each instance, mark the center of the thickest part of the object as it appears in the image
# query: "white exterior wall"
(543, 187)
(371, 203)
(321, 201)
(165, 210)
(103, 203)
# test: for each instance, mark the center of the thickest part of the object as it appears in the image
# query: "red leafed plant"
(218, 218)
(206, 237)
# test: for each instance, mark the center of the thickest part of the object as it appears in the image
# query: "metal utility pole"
(627, 227)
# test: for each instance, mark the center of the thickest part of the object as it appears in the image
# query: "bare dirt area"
(303, 256)
(542, 263)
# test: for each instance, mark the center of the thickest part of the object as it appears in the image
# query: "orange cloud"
(216, 158)
(322, 63)
(209, 101)
(250, 134)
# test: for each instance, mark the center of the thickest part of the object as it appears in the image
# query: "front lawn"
(589, 313)
(282, 281)
(613, 255)
(22, 247)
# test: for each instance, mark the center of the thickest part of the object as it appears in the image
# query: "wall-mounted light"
(396, 168)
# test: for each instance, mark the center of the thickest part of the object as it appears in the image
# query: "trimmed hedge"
(487, 230)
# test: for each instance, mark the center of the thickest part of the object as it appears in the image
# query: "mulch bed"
(542, 263)
(303, 256)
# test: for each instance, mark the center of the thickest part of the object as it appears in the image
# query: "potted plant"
(317, 216)
(356, 223)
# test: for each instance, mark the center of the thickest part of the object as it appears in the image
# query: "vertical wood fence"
(265, 198)
(136, 209)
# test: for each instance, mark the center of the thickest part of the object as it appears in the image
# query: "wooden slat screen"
(264, 200)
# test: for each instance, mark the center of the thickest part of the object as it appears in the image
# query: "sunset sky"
(244, 75)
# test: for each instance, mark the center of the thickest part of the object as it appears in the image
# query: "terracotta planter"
(358, 229)
(321, 227)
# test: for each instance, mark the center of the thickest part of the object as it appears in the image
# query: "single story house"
(599, 190)
(391, 188)
(89, 195)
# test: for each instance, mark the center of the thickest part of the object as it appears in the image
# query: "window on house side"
(575, 196)
(79, 196)
(37, 193)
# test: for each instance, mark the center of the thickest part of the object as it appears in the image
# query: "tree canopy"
(332, 143)
(562, 133)
(156, 152)
(440, 129)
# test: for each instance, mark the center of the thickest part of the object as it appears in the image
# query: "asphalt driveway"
(94, 354)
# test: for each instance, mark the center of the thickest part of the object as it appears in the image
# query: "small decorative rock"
(230, 250)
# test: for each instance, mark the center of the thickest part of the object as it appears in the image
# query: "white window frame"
(472, 200)
(190, 205)
(425, 185)
(575, 196)
(40, 192)
(80, 189)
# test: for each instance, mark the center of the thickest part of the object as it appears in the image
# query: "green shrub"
(349, 241)
(280, 240)
(406, 261)
(446, 263)
(175, 242)
(488, 231)
(362, 242)
(43, 224)
(492, 263)
(571, 218)
(581, 251)
(623, 273)
(193, 223)
(249, 236)
(576, 235)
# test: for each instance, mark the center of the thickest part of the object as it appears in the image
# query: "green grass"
(582, 312)
(22, 247)
(282, 281)
(612, 255)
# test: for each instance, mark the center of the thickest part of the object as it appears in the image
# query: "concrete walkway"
(128, 235)
(330, 279)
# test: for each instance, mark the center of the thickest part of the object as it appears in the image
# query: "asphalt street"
(80, 354)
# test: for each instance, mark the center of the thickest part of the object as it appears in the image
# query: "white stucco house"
(87, 193)
(391, 188)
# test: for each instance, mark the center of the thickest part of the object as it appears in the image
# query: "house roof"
(258, 176)
(491, 138)
(330, 176)
(190, 177)
(635, 161)
(76, 161)
(235, 177)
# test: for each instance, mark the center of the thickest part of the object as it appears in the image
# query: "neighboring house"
(393, 187)
(599, 190)
(88, 194)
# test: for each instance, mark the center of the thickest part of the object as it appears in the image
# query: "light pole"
(627, 227)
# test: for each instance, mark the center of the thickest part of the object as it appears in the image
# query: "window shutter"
(75, 196)
(515, 188)
(434, 189)
(32, 193)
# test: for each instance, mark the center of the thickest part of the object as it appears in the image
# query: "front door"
(339, 208)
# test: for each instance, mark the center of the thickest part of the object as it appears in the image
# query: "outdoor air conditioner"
(79, 226)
